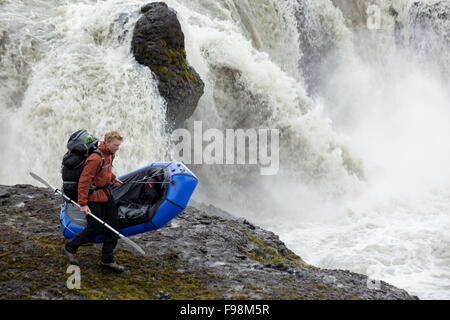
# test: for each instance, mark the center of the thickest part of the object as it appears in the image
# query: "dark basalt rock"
(158, 42)
(198, 255)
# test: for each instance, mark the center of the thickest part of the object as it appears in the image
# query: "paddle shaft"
(133, 244)
(90, 213)
(138, 182)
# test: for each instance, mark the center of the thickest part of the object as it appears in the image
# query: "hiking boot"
(117, 268)
(70, 257)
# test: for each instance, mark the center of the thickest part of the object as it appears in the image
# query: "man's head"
(113, 139)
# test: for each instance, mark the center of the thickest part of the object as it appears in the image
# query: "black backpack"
(80, 145)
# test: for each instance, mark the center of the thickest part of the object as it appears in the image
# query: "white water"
(363, 182)
(77, 75)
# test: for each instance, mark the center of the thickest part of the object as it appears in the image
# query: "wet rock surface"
(158, 42)
(204, 253)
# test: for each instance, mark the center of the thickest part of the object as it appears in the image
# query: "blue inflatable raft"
(149, 198)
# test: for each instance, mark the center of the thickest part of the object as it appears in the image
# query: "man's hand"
(117, 183)
(85, 210)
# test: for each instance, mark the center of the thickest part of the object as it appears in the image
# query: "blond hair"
(111, 135)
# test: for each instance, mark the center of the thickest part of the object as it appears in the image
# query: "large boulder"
(158, 42)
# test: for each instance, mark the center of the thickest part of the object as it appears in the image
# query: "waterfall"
(357, 90)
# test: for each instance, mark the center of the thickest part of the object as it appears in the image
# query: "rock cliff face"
(158, 42)
(204, 253)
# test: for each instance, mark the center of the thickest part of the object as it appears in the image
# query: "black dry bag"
(80, 145)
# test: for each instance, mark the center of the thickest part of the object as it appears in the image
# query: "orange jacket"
(89, 176)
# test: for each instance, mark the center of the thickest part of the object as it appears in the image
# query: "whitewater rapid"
(360, 99)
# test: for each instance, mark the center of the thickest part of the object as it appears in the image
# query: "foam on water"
(362, 113)
(85, 77)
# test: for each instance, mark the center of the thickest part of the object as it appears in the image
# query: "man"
(95, 196)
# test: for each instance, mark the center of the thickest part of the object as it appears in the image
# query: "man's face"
(113, 146)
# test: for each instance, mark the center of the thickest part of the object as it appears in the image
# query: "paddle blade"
(133, 244)
(45, 183)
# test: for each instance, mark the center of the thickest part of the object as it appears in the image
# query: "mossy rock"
(158, 42)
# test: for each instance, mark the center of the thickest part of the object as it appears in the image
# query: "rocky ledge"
(204, 253)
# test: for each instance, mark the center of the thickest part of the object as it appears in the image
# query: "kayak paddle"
(131, 243)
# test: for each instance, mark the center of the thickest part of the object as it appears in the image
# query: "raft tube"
(156, 194)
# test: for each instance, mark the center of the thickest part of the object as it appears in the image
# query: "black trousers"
(106, 211)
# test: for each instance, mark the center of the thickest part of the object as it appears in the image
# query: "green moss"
(37, 285)
(41, 268)
(177, 58)
(49, 243)
(267, 253)
(146, 279)
(319, 286)
(4, 254)
(163, 70)
(8, 275)
(354, 296)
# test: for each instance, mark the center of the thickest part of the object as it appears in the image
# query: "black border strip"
(183, 174)
(154, 224)
(174, 204)
(66, 226)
